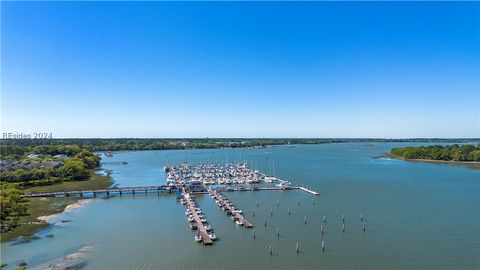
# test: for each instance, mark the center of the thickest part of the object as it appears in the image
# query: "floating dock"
(308, 190)
(206, 240)
(226, 205)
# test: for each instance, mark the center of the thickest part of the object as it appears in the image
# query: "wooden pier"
(106, 191)
(206, 240)
(237, 215)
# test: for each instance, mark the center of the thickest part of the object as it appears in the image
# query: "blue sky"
(244, 69)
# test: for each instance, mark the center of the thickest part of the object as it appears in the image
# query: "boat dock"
(224, 203)
(191, 205)
(228, 189)
(114, 163)
(308, 190)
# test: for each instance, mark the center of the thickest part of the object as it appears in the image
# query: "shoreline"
(68, 207)
(431, 160)
(41, 210)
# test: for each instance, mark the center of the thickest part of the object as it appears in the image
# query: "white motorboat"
(212, 236)
(198, 237)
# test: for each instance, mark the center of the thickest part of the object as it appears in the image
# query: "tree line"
(455, 152)
(117, 144)
(146, 144)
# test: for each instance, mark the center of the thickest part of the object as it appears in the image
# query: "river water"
(418, 216)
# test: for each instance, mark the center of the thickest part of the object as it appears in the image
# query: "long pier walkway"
(145, 189)
(106, 191)
(206, 240)
(223, 202)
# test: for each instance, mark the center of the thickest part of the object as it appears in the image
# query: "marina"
(197, 177)
(210, 179)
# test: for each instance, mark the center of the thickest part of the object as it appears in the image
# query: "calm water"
(417, 215)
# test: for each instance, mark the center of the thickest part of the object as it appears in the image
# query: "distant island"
(451, 153)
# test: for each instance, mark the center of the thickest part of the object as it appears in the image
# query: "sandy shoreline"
(75, 205)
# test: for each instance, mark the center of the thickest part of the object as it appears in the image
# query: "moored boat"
(198, 237)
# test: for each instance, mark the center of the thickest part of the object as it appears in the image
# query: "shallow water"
(417, 215)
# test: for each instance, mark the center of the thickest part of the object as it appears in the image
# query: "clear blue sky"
(153, 69)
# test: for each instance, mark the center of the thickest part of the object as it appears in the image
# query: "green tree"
(74, 169)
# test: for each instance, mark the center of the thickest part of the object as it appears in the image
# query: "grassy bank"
(37, 207)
